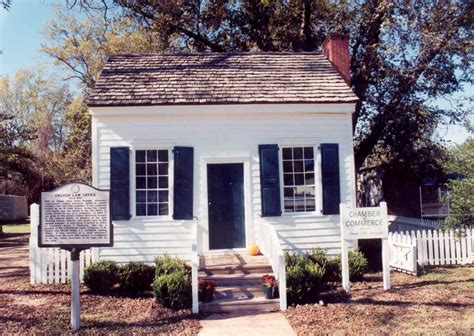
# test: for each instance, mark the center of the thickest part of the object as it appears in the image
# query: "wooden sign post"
(75, 217)
(364, 223)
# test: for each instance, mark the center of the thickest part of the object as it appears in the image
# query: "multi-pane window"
(298, 179)
(151, 184)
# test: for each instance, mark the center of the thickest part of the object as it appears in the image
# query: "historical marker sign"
(75, 215)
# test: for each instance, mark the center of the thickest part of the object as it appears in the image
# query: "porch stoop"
(238, 283)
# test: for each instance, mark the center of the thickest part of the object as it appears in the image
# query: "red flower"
(269, 281)
(206, 285)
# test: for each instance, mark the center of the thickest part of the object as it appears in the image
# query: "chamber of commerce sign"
(75, 215)
(364, 223)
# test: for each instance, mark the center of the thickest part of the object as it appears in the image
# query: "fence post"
(436, 247)
(35, 256)
(442, 255)
(452, 237)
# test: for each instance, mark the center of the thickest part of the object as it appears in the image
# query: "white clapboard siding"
(219, 135)
(51, 265)
(436, 247)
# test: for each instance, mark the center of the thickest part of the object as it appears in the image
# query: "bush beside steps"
(309, 274)
(170, 280)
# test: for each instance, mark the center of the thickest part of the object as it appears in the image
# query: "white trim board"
(219, 109)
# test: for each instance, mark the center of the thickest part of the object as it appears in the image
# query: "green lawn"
(16, 228)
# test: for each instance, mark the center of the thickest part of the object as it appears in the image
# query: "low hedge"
(172, 284)
(136, 277)
(304, 279)
(101, 277)
(309, 274)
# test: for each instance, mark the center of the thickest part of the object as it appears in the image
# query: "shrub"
(173, 290)
(172, 284)
(102, 276)
(136, 277)
(358, 266)
(333, 270)
(167, 265)
(304, 278)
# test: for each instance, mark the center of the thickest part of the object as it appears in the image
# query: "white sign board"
(364, 223)
(75, 215)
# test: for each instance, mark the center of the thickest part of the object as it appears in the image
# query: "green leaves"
(461, 189)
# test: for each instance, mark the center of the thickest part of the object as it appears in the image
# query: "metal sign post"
(75, 293)
(75, 217)
(364, 223)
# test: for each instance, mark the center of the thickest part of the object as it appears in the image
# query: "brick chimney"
(336, 49)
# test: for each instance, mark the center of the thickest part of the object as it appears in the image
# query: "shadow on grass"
(430, 283)
(398, 303)
(34, 292)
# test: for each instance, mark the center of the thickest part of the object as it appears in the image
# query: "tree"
(74, 160)
(32, 109)
(461, 189)
(6, 4)
(81, 43)
(405, 56)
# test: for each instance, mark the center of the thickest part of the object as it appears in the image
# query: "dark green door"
(225, 190)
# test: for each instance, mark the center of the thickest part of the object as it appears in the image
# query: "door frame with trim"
(204, 211)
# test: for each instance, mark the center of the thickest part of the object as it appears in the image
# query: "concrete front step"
(238, 292)
(236, 280)
(226, 259)
(229, 305)
(236, 269)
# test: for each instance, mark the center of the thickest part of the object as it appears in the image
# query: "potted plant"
(269, 284)
(206, 290)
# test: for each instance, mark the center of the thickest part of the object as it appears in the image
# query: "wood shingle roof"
(219, 78)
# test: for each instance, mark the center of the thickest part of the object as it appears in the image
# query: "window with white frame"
(299, 189)
(151, 182)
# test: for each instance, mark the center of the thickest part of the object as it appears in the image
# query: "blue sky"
(21, 38)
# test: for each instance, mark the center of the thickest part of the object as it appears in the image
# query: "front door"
(225, 190)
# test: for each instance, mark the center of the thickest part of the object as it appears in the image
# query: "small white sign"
(75, 215)
(364, 223)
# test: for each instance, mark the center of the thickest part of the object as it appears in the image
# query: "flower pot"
(207, 296)
(269, 292)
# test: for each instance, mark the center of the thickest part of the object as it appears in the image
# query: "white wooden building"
(222, 151)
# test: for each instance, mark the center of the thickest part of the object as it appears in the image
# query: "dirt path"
(14, 256)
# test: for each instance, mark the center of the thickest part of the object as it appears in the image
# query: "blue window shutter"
(183, 183)
(269, 180)
(120, 183)
(330, 178)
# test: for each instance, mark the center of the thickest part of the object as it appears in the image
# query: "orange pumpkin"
(253, 250)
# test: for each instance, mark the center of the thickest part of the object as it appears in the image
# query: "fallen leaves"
(438, 302)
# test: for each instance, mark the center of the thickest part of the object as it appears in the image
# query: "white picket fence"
(52, 265)
(431, 247)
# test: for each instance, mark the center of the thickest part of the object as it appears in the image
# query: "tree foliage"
(81, 43)
(44, 133)
(461, 190)
(405, 56)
